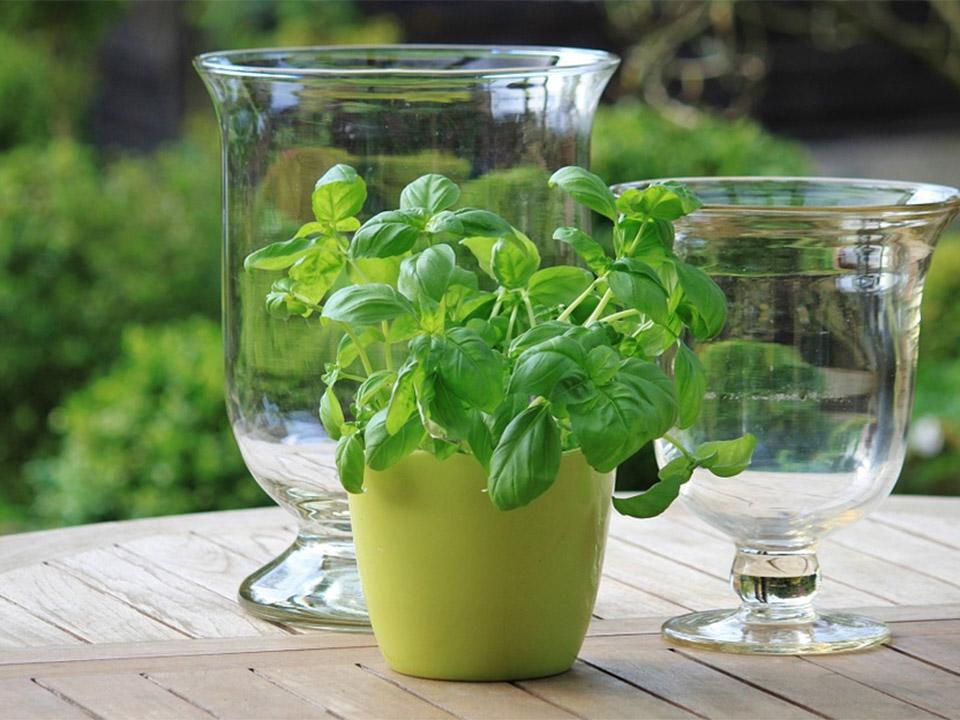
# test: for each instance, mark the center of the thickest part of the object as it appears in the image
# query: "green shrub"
(149, 437)
(85, 249)
(634, 142)
(938, 377)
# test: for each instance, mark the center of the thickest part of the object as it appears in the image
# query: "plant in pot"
(492, 402)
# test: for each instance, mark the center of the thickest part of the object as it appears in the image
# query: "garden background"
(111, 399)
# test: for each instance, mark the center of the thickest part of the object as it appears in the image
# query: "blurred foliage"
(937, 404)
(86, 249)
(635, 142)
(148, 437)
(288, 23)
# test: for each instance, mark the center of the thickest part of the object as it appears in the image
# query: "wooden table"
(138, 620)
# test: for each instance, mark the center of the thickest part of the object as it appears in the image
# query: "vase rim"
(829, 195)
(400, 61)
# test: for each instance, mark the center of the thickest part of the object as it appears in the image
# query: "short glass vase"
(823, 279)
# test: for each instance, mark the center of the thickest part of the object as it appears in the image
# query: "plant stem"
(364, 359)
(351, 376)
(497, 304)
(529, 306)
(513, 320)
(387, 350)
(619, 315)
(601, 306)
(633, 244)
(568, 310)
(679, 446)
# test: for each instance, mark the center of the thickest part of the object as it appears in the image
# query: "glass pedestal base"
(313, 583)
(729, 631)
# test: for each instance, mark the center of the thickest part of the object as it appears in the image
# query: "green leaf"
(349, 459)
(558, 285)
(703, 306)
(431, 192)
(587, 189)
(482, 223)
(280, 255)
(725, 458)
(589, 250)
(338, 195)
(384, 449)
(427, 273)
(482, 249)
(331, 414)
(348, 350)
(661, 201)
(471, 369)
(376, 384)
(514, 259)
(403, 397)
(635, 407)
(315, 274)
(660, 495)
(444, 222)
(691, 383)
(374, 270)
(526, 460)
(536, 335)
(386, 234)
(603, 362)
(461, 423)
(366, 304)
(541, 367)
(636, 285)
(280, 301)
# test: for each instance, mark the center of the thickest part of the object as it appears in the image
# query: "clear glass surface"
(497, 120)
(823, 279)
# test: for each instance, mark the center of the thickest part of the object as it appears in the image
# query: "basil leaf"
(511, 406)
(280, 301)
(558, 285)
(482, 223)
(725, 458)
(431, 192)
(589, 250)
(635, 407)
(349, 459)
(526, 460)
(374, 270)
(703, 307)
(587, 189)
(403, 398)
(636, 285)
(331, 414)
(603, 362)
(427, 273)
(315, 274)
(376, 383)
(445, 221)
(482, 249)
(347, 349)
(366, 304)
(338, 195)
(691, 383)
(660, 495)
(471, 369)
(539, 368)
(663, 201)
(386, 234)
(461, 423)
(382, 448)
(536, 335)
(280, 255)
(514, 259)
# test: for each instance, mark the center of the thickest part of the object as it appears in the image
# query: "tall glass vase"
(497, 120)
(823, 279)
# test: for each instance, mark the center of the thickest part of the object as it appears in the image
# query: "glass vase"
(497, 120)
(823, 279)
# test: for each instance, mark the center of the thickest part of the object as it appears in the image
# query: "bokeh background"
(111, 400)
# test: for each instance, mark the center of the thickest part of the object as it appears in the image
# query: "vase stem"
(776, 586)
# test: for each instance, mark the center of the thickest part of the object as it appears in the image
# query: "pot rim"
(921, 198)
(556, 60)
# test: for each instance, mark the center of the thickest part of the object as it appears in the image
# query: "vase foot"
(728, 631)
(313, 583)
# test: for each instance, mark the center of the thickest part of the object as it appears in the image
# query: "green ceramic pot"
(459, 590)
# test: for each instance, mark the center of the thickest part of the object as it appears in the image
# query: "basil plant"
(510, 362)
